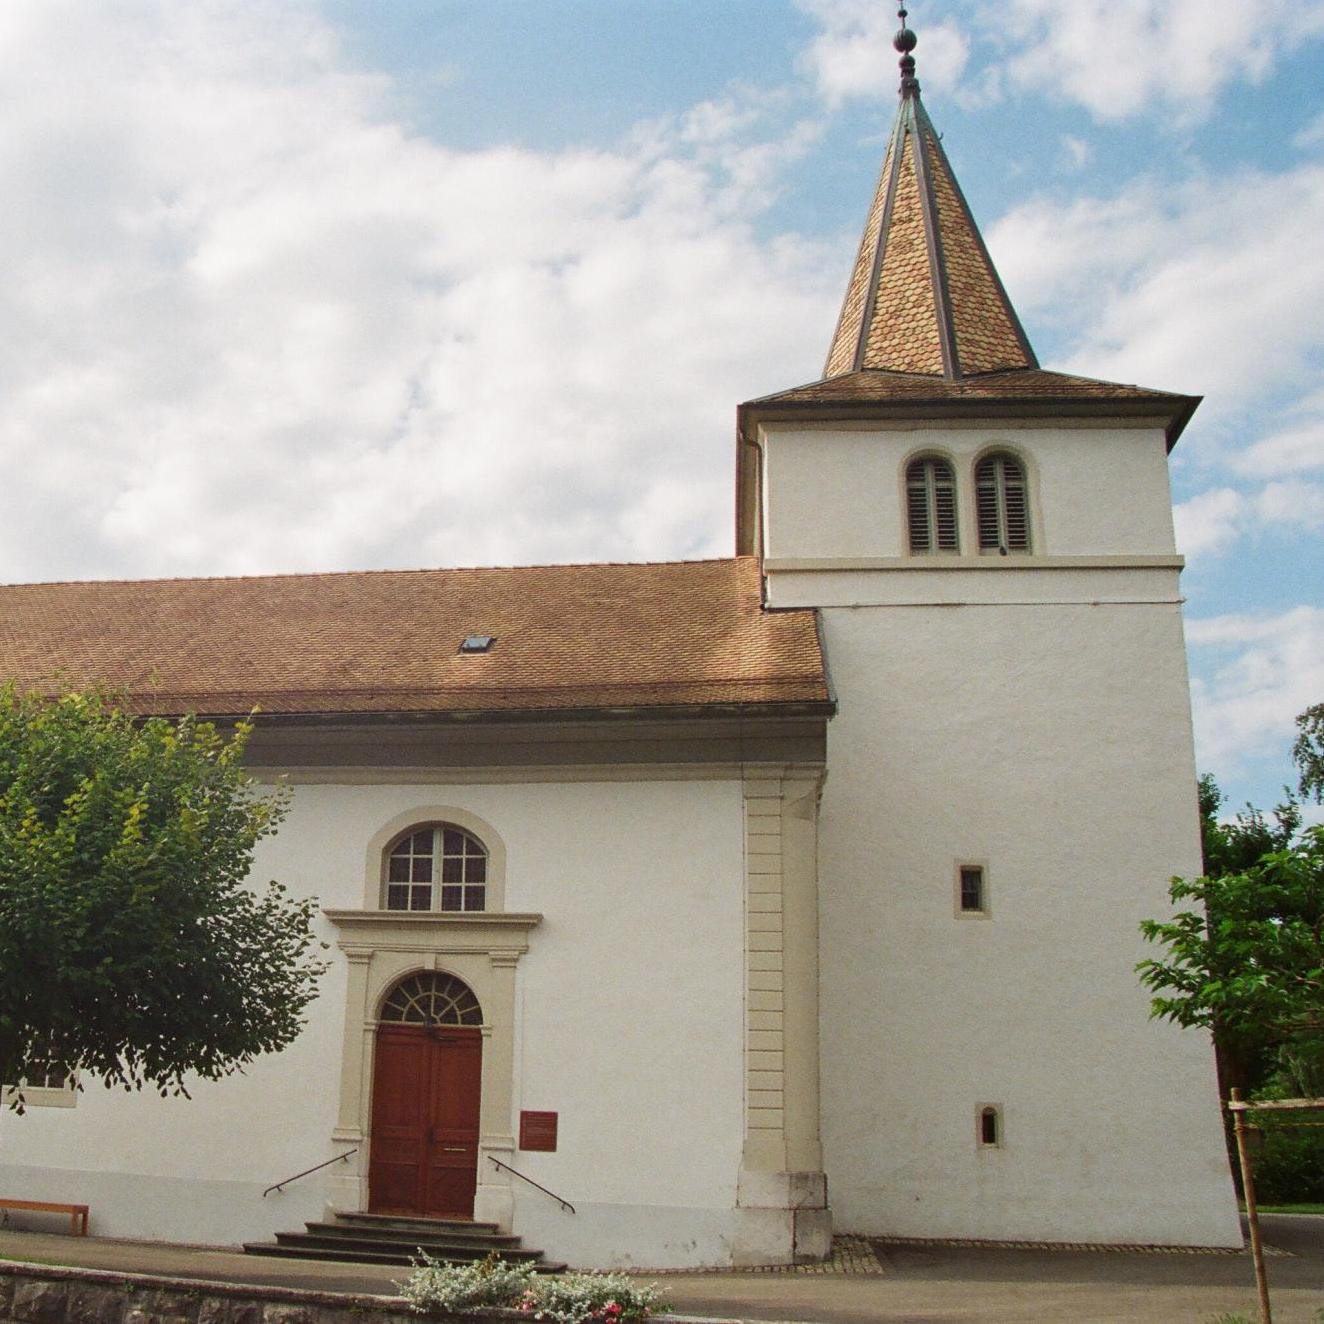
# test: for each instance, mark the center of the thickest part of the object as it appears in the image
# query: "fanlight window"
(432, 999)
(931, 506)
(437, 868)
(1003, 503)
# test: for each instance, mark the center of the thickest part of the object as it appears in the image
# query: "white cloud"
(1297, 448)
(1253, 674)
(1118, 58)
(1076, 152)
(1198, 287)
(852, 55)
(1292, 504)
(249, 322)
(1210, 522)
(1312, 134)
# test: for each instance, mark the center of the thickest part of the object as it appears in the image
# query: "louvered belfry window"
(441, 867)
(1003, 503)
(931, 506)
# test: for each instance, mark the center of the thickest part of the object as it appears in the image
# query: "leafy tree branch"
(131, 946)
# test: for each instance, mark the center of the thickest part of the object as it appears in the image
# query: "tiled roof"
(924, 296)
(570, 637)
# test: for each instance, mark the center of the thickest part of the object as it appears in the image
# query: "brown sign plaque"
(537, 1131)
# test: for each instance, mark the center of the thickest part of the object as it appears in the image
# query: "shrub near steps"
(573, 1298)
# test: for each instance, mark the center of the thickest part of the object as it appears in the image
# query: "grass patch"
(1291, 1208)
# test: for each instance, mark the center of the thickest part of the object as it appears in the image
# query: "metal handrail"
(565, 1204)
(317, 1167)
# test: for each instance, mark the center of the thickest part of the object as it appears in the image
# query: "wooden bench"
(77, 1212)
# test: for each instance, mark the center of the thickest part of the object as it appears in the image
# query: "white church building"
(731, 902)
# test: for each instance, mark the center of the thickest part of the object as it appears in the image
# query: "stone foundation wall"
(43, 1294)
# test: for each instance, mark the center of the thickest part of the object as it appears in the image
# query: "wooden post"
(1238, 1110)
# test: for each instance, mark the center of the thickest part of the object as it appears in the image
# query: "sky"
(298, 285)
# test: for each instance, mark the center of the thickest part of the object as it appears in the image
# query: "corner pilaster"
(784, 1215)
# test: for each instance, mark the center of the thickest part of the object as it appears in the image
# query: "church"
(681, 914)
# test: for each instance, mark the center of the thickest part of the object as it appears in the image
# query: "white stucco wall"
(1052, 745)
(629, 1024)
(1030, 714)
(837, 492)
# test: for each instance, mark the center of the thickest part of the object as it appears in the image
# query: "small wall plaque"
(537, 1131)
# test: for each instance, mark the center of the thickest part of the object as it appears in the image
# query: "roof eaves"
(825, 708)
(1176, 410)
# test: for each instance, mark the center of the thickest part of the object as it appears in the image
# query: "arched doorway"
(427, 1085)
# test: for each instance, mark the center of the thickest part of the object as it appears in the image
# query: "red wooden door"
(427, 1083)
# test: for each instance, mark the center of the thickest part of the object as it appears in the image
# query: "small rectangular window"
(988, 1125)
(972, 888)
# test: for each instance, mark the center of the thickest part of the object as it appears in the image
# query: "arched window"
(432, 999)
(438, 867)
(931, 505)
(1002, 500)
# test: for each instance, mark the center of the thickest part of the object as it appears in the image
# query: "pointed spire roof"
(924, 296)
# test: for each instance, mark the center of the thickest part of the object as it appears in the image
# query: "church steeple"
(924, 296)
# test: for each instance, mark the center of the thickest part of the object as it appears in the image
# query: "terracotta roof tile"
(902, 333)
(841, 357)
(987, 335)
(568, 637)
(924, 295)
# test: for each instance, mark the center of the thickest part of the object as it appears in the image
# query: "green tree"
(1308, 751)
(1245, 1055)
(130, 947)
(1233, 846)
(1245, 958)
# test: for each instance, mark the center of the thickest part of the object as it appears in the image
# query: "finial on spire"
(905, 41)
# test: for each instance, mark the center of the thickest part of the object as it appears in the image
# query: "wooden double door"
(427, 1085)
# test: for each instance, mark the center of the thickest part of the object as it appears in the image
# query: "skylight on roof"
(477, 643)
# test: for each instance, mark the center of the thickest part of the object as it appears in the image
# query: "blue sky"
(298, 285)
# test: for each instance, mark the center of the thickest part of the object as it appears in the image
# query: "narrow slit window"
(972, 890)
(931, 506)
(1002, 502)
(990, 1127)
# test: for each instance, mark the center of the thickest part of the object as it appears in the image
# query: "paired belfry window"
(931, 506)
(1002, 505)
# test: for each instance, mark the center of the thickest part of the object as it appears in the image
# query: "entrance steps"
(386, 1239)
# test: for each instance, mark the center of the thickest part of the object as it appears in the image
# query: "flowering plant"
(589, 1298)
(435, 1288)
(438, 1288)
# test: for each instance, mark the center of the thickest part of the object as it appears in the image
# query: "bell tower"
(1011, 772)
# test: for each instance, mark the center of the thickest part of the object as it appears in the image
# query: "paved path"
(921, 1285)
(935, 1285)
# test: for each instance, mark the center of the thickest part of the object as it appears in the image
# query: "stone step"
(460, 1234)
(415, 1221)
(398, 1239)
(336, 1253)
(438, 1250)
(340, 1256)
